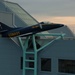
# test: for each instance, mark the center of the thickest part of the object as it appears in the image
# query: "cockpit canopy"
(45, 23)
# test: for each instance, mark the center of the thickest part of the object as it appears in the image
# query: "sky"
(58, 11)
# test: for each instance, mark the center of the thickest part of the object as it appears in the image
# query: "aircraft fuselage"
(30, 30)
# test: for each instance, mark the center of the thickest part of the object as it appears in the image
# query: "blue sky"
(62, 11)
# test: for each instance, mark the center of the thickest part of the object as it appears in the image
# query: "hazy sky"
(61, 11)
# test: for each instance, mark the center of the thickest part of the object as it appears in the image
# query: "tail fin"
(4, 27)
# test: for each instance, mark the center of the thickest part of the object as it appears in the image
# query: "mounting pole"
(24, 45)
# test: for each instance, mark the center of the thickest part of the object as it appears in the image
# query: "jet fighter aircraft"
(6, 31)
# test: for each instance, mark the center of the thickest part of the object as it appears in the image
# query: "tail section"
(4, 27)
